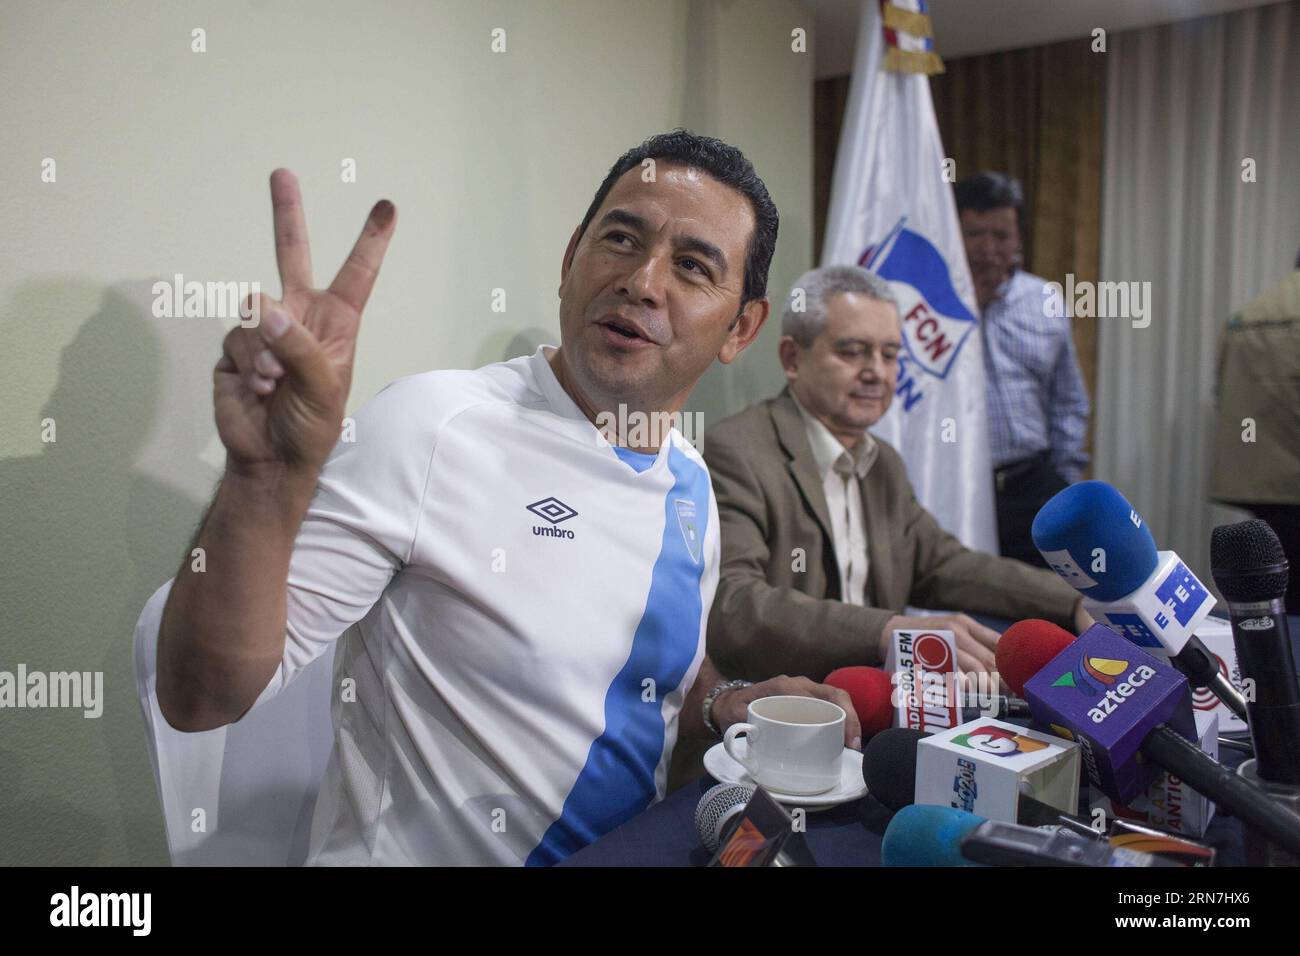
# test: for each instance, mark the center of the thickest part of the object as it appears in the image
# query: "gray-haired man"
(823, 540)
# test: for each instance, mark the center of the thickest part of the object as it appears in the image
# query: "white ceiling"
(965, 27)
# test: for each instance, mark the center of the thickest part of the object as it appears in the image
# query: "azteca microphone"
(1095, 540)
(1118, 701)
(1251, 571)
(943, 836)
(889, 771)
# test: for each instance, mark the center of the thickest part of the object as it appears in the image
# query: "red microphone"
(871, 691)
(1025, 648)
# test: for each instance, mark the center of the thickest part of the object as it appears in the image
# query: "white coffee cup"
(793, 744)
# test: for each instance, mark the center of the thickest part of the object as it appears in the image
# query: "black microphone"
(1250, 570)
(1000, 707)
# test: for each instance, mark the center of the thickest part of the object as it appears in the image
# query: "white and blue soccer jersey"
(529, 606)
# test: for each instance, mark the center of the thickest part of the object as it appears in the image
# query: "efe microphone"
(1098, 544)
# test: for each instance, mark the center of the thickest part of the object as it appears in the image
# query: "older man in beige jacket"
(823, 541)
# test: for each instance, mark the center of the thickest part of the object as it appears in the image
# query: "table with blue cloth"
(846, 835)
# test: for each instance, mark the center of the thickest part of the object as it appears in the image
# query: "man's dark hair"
(984, 191)
(728, 166)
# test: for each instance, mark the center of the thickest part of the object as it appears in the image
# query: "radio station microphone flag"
(892, 211)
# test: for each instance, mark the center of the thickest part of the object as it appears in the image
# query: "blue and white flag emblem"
(689, 527)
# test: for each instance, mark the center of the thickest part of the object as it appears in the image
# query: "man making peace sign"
(529, 598)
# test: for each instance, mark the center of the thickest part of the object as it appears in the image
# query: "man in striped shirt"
(1037, 402)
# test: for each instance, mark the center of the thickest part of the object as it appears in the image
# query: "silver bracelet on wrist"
(713, 695)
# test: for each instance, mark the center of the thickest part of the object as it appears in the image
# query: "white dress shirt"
(841, 471)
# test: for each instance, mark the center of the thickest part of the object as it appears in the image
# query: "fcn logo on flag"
(935, 322)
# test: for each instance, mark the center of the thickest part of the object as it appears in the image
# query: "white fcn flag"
(892, 211)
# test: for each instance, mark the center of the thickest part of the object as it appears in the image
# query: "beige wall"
(162, 157)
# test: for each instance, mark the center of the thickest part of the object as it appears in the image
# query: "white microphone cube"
(984, 766)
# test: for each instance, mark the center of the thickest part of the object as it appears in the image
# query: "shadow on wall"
(504, 345)
(93, 523)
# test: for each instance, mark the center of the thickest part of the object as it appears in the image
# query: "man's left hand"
(732, 706)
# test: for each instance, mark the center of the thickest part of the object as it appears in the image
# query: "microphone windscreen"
(871, 691)
(1248, 562)
(927, 836)
(1095, 540)
(889, 766)
(1025, 648)
(720, 804)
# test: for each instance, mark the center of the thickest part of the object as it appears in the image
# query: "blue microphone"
(923, 835)
(1097, 542)
(942, 836)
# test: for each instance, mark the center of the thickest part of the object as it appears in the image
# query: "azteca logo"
(936, 323)
(1100, 675)
(998, 741)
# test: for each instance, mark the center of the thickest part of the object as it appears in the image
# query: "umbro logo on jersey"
(555, 511)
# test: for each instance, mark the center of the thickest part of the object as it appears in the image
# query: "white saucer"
(722, 768)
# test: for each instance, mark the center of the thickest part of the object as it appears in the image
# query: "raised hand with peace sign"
(279, 393)
(281, 386)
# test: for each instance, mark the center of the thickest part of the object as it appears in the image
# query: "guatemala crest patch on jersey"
(690, 528)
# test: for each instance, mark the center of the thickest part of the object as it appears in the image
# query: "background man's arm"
(1067, 413)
